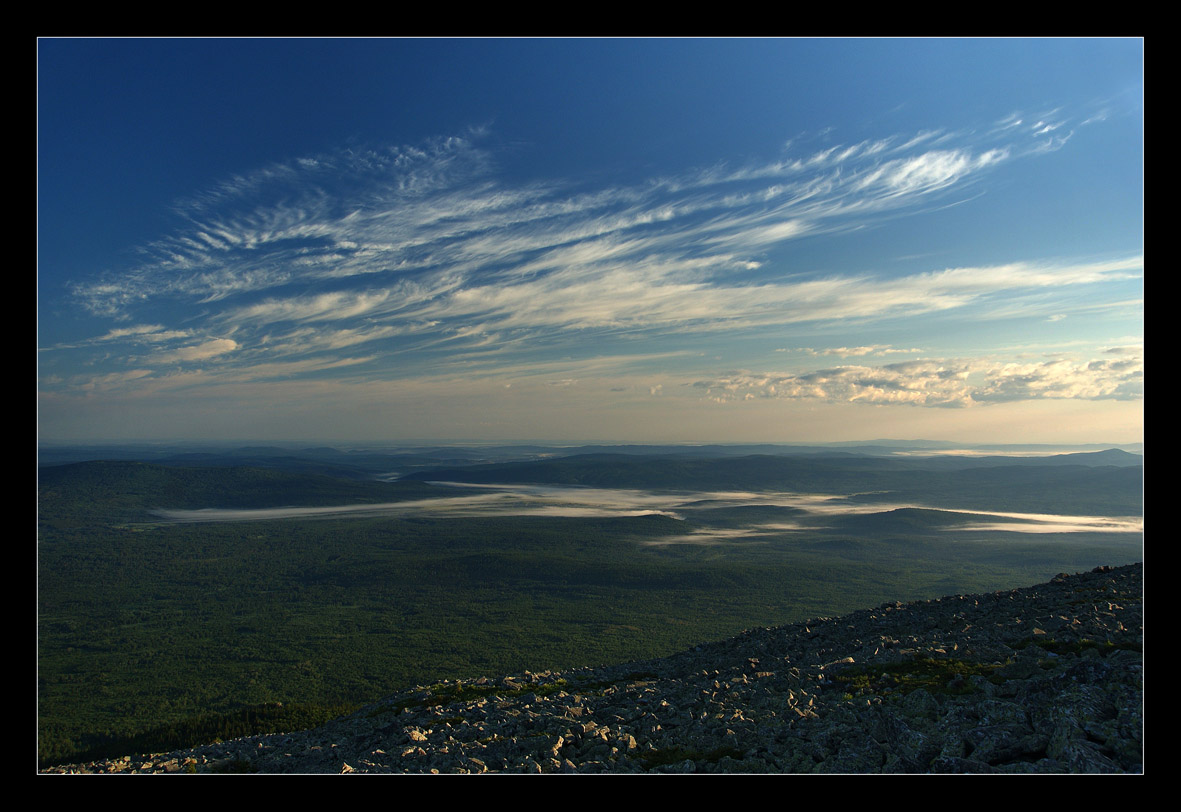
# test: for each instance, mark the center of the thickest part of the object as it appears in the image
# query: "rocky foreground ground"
(1047, 679)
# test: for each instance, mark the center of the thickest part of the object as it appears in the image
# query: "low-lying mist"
(800, 511)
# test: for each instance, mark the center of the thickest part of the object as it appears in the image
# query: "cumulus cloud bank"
(947, 383)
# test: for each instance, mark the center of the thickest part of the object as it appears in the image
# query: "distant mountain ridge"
(379, 458)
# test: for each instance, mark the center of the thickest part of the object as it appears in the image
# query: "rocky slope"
(1043, 679)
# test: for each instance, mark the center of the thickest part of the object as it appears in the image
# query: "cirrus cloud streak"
(427, 264)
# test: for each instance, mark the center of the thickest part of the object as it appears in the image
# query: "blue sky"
(672, 240)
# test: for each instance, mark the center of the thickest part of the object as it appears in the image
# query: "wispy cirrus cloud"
(655, 295)
(846, 352)
(413, 249)
(110, 381)
(148, 382)
(199, 352)
(143, 332)
(440, 210)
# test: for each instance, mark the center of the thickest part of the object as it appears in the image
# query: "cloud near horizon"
(941, 383)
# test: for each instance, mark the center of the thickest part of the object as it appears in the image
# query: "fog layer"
(809, 511)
